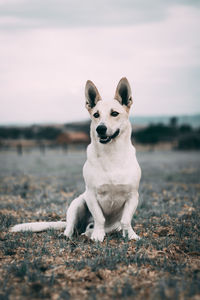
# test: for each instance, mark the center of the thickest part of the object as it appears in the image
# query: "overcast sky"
(48, 49)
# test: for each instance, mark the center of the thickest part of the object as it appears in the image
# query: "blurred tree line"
(29, 133)
(185, 136)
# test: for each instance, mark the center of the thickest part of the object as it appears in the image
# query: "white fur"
(38, 226)
(111, 172)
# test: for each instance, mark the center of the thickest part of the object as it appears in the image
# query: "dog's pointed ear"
(123, 93)
(91, 94)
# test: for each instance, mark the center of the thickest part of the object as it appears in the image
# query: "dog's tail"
(38, 226)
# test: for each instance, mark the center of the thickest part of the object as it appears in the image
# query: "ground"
(164, 264)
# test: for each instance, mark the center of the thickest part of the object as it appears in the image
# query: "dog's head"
(109, 118)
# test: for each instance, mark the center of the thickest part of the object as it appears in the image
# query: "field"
(164, 264)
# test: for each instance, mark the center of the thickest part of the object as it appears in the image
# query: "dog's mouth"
(106, 139)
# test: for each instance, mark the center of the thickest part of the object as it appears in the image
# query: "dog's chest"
(112, 197)
(106, 172)
(112, 179)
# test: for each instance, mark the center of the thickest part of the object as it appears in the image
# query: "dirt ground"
(164, 264)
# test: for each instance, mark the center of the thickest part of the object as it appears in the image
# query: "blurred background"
(48, 49)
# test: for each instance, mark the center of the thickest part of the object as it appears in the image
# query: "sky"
(50, 48)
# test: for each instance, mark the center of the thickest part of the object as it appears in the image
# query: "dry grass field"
(164, 264)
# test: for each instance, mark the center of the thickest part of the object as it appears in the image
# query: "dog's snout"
(101, 129)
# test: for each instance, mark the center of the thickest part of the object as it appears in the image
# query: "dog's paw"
(68, 233)
(118, 228)
(134, 237)
(88, 233)
(131, 234)
(98, 235)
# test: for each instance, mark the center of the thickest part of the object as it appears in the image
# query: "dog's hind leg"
(77, 215)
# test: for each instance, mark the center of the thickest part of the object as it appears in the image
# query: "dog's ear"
(91, 94)
(123, 93)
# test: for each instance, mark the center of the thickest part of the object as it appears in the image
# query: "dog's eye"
(114, 113)
(96, 115)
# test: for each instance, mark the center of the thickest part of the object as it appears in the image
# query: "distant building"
(72, 138)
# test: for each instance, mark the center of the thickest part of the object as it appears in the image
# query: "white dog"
(111, 172)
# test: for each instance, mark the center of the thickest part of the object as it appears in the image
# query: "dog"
(111, 172)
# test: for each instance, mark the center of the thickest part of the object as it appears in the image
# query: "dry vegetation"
(164, 264)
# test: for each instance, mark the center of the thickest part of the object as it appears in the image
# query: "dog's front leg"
(129, 209)
(99, 220)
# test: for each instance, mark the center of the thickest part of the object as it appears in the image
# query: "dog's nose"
(101, 129)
